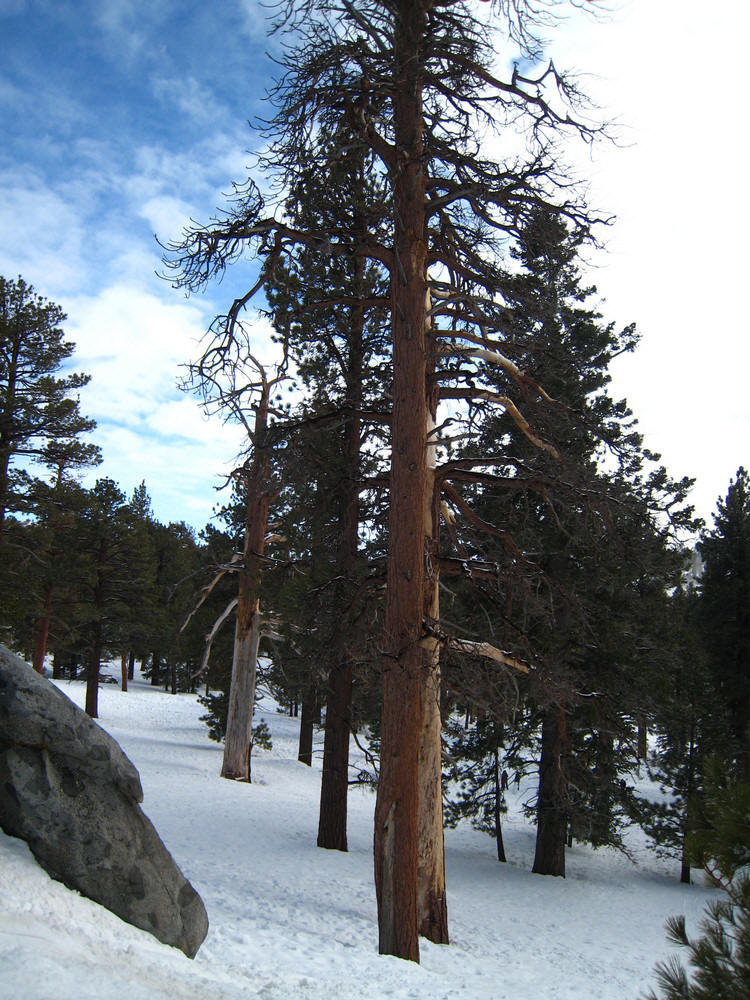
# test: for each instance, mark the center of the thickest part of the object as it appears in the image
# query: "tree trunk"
(124, 671)
(395, 838)
(334, 785)
(42, 631)
(432, 911)
(642, 741)
(552, 820)
(692, 767)
(496, 806)
(235, 764)
(335, 780)
(92, 672)
(304, 753)
(131, 666)
(684, 869)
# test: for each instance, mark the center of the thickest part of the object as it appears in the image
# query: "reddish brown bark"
(335, 780)
(432, 909)
(396, 826)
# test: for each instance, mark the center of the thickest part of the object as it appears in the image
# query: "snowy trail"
(292, 922)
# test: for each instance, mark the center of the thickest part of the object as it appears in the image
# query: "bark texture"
(552, 814)
(334, 786)
(432, 909)
(396, 827)
(235, 763)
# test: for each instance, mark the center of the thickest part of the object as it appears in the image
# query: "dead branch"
(211, 635)
(488, 652)
(233, 566)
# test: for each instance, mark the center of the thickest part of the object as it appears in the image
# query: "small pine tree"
(720, 957)
(480, 795)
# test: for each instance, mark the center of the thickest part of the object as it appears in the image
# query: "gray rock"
(67, 789)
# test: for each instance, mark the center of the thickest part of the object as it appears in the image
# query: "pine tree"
(116, 551)
(725, 609)
(583, 563)
(39, 416)
(478, 772)
(689, 726)
(720, 957)
(332, 318)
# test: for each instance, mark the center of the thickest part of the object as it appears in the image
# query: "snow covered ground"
(292, 922)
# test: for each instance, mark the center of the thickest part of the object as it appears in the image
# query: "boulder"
(67, 789)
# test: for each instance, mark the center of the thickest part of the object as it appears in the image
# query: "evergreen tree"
(478, 772)
(689, 725)
(332, 317)
(116, 550)
(725, 609)
(39, 416)
(582, 560)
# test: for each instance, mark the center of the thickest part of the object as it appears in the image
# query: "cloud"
(43, 235)
(257, 20)
(189, 97)
(134, 342)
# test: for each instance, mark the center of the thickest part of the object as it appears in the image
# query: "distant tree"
(689, 725)
(57, 562)
(725, 609)
(116, 550)
(39, 415)
(477, 768)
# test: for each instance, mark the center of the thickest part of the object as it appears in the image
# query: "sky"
(123, 119)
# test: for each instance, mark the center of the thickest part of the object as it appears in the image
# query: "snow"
(289, 921)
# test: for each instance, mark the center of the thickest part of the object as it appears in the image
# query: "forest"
(445, 538)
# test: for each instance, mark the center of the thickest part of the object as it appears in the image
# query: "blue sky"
(122, 119)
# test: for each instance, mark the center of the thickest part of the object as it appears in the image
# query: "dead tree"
(413, 83)
(234, 383)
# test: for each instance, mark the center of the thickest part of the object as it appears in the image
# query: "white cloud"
(257, 20)
(190, 97)
(41, 233)
(135, 342)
